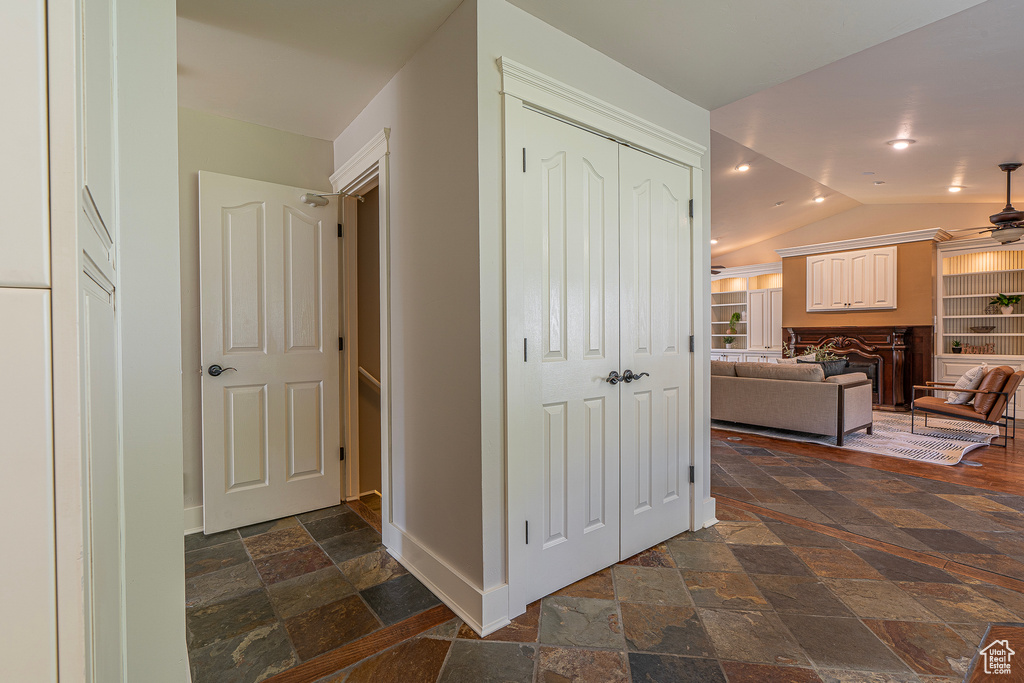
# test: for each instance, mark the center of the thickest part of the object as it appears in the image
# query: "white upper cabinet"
(764, 319)
(844, 281)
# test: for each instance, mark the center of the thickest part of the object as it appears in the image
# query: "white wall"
(505, 30)
(865, 220)
(213, 143)
(430, 107)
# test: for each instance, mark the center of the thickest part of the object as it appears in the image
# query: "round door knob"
(216, 370)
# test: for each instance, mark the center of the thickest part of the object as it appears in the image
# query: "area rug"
(942, 442)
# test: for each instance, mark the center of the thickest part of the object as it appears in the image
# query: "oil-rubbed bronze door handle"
(613, 377)
(215, 370)
(628, 376)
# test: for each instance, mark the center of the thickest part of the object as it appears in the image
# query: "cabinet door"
(756, 322)
(773, 319)
(817, 282)
(837, 293)
(860, 279)
(882, 272)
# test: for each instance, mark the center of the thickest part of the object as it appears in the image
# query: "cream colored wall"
(213, 143)
(865, 221)
(915, 293)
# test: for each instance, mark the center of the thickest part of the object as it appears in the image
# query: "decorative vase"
(743, 315)
(728, 346)
(732, 330)
(1006, 310)
(957, 349)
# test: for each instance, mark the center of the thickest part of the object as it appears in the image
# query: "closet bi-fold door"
(571, 297)
(655, 315)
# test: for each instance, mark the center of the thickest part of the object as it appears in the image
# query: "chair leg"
(871, 429)
(913, 414)
(839, 439)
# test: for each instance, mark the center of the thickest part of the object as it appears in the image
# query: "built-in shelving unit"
(728, 296)
(755, 293)
(968, 279)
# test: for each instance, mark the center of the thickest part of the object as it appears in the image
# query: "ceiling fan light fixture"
(1007, 235)
(954, 188)
(743, 168)
(901, 143)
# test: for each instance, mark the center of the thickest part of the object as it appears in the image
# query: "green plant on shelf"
(822, 352)
(956, 343)
(1002, 300)
(728, 342)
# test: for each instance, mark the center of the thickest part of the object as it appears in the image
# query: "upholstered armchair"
(994, 402)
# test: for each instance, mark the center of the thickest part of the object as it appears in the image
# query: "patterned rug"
(943, 442)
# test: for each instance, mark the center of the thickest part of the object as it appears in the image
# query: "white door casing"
(269, 274)
(756, 323)
(572, 327)
(656, 323)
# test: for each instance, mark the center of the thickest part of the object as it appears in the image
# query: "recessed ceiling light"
(714, 241)
(879, 182)
(901, 143)
(743, 167)
(955, 188)
(819, 200)
(779, 203)
(867, 173)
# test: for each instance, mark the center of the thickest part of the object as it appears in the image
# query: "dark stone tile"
(227, 619)
(414, 661)
(746, 533)
(598, 585)
(399, 598)
(372, 501)
(738, 672)
(335, 525)
(265, 527)
(274, 542)
(222, 584)
(932, 649)
(323, 512)
(1004, 597)
(329, 626)
(284, 566)
(352, 545)
(703, 556)
(727, 590)
(706, 534)
(820, 471)
(839, 563)
(484, 662)
(522, 629)
(908, 519)
(836, 643)
(371, 569)
(899, 569)
(770, 560)
(798, 536)
(565, 665)
(888, 534)
(804, 511)
(199, 540)
(758, 637)
(800, 595)
(956, 603)
(733, 492)
(247, 658)
(1015, 502)
(580, 622)
(210, 559)
(878, 600)
(999, 564)
(648, 668)
(303, 593)
(853, 514)
(1005, 542)
(658, 556)
(840, 676)
(669, 629)
(948, 540)
(650, 585)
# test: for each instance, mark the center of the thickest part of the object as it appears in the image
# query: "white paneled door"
(654, 262)
(269, 323)
(606, 261)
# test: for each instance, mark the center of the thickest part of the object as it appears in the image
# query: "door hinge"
(691, 208)
(524, 160)
(341, 344)
(343, 455)
(524, 349)
(340, 228)
(527, 531)
(691, 343)
(693, 474)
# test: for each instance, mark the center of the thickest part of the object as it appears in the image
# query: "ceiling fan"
(715, 270)
(1009, 223)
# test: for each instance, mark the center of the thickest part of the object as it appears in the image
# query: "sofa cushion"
(723, 368)
(937, 404)
(800, 372)
(969, 380)
(993, 381)
(848, 378)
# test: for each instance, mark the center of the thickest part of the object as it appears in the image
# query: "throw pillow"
(994, 381)
(969, 380)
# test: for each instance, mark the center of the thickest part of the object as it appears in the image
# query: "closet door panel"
(655, 272)
(756, 322)
(572, 327)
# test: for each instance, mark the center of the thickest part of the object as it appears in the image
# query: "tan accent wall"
(915, 293)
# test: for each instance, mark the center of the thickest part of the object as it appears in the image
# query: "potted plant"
(830, 362)
(728, 342)
(1005, 302)
(956, 346)
(733, 319)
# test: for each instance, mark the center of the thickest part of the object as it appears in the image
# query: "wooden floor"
(1002, 469)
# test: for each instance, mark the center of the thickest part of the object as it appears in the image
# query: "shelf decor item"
(1005, 302)
(983, 329)
(830, 362)
(733, 320)
(956, 346)
(728, 342)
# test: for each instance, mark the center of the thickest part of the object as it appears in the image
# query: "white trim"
(485, 611)
(193, 519)
(567, 102)
(972, 244)
(748, 271)
(936, 234)
(362, 162)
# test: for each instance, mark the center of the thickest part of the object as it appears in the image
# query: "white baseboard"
(709, 509)
(364, 493)
(484, 611)
(193, 519)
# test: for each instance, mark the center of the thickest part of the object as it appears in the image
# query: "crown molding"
(552, 96)
(974, 243)
(371, 152)
(748, 271)
(928, 234)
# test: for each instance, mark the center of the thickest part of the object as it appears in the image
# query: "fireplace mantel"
(901, 354)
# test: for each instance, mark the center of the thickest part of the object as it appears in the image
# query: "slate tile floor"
(751, 599)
